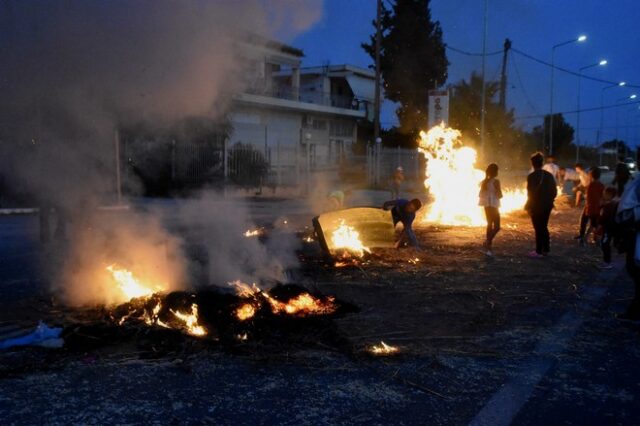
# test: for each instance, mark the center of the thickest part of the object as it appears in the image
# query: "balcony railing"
(310, 97)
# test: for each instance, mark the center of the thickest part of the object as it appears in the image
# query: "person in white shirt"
(489, 198)
(585, 180)
(551, 167)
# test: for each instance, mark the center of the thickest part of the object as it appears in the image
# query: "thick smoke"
(72, 72)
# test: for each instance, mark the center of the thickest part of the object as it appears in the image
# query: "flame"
(245, 312)
(454, 182)
(302, 304)
(191, 321)
(383, 349)
(252, 233)
(129, 285)
(346, 238)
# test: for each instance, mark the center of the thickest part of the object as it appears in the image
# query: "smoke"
(219, 225)
(73, 72)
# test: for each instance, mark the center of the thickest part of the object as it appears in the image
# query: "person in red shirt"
(592, 205)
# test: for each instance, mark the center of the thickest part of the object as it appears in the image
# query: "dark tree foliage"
(412, 60)
(563, 132)
(505, 142)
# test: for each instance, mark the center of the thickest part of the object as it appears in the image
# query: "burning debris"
(346, 239)
(245, 315)
(254, 233)
(384, 349)
(453, 180)
(129, 285)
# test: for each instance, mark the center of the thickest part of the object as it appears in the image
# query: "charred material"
(284, 318)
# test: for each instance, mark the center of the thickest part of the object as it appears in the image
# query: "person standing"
(584, 179)
(622, 175)
(551, 167)
(607, 225)
(591, 206)
(628, 223)
(396, 183)
(489, 198)
(541, 193)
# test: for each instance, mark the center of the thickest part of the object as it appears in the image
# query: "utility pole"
(503, 74)
(483, 100)
(376, 106)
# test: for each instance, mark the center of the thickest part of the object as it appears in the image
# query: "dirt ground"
(465, 324)
(450, 296)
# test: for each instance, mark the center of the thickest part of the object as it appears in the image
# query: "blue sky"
(534, 27)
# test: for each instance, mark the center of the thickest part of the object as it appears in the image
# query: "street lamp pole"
(603, 62)
(553, 56)
(599, 133)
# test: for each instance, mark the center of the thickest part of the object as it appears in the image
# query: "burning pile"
(453, 180)
(243, 313)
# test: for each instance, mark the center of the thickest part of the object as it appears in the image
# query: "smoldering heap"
(246, 317)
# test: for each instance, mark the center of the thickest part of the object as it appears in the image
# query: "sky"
(533, 26)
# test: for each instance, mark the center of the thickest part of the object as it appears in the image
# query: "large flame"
(129, 285)
(454, 182)
(346, 238)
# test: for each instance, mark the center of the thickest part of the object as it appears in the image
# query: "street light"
(599, 132)
(601, 63)
(625, 98)
(580, 39)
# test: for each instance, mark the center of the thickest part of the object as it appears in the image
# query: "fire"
(129, 285)
(346, 238)
(303, 304)
(383, 349)
(245, 312)
(191, 321)
(252, 233)
(300, 305)
(453, 180)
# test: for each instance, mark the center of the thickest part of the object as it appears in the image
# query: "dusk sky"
(534, 27)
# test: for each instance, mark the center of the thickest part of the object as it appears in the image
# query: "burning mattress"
(355, 230)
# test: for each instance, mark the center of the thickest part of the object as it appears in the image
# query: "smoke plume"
(72, 72)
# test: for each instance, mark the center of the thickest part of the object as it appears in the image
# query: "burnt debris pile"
(248, 319)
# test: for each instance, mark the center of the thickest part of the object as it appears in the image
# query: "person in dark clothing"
(628, 226)
(621, 176)
(404, 211)
(607, 225)
(592, 205)
(541, 193)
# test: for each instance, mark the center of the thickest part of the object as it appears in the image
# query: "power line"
(574, 73)
(524, 92)
(464, 52)
(575, 111)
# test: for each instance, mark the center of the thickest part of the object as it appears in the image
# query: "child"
(606, 224)
(591, 206)
(404, 211)
(490, 195)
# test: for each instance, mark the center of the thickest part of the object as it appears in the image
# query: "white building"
(299, 117)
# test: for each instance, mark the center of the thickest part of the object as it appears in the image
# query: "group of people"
(610, 213)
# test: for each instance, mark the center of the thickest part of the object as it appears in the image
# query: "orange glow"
(346, 238)
(129, 285)
(454, 181)
(383, 349)
(245, 312)
(191, 321)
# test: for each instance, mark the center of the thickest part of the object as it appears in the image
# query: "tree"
(615, 147)
(502, 136)
(412, 59)
(562, 137)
